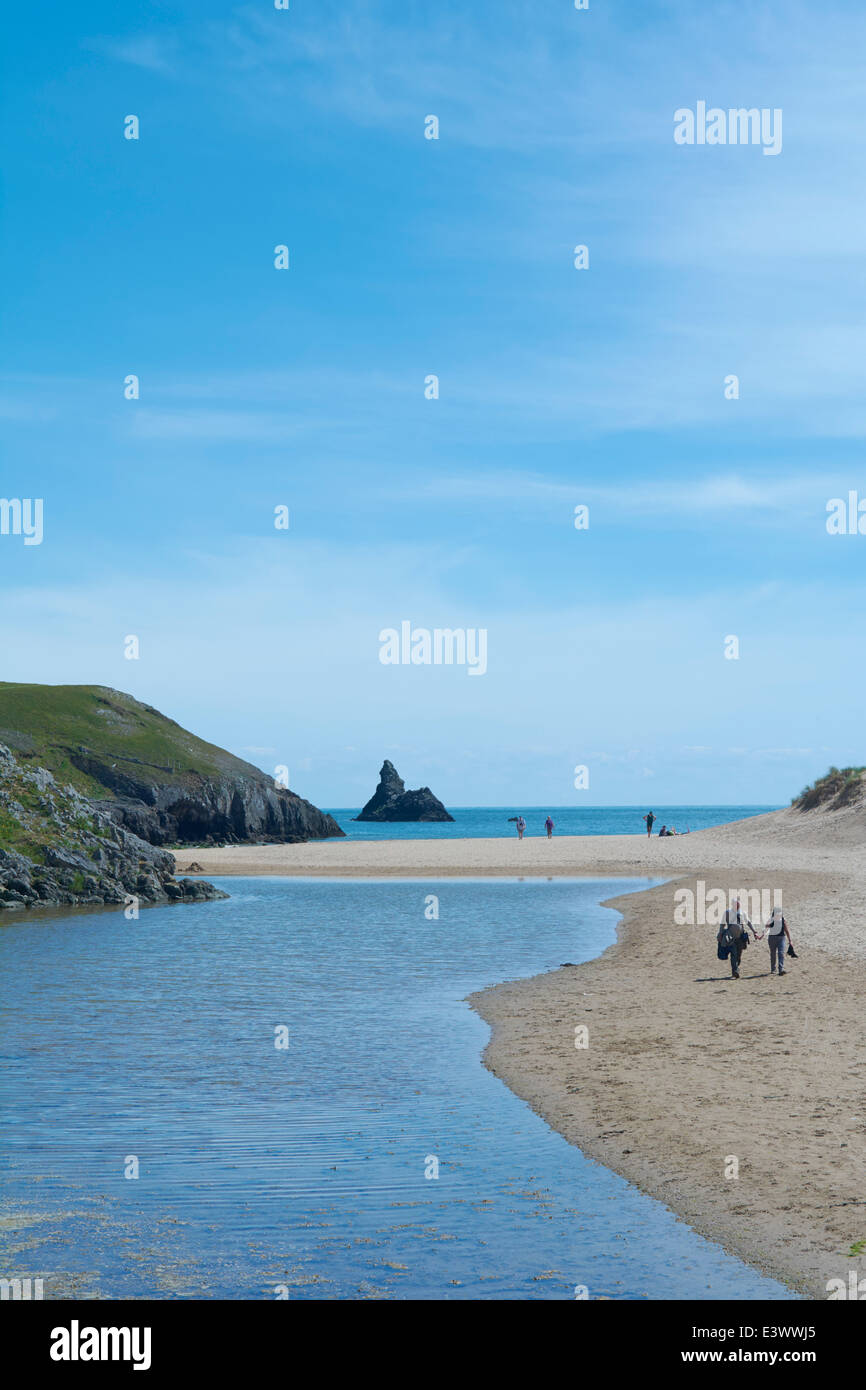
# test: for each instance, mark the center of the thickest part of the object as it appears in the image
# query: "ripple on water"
(307, 1167)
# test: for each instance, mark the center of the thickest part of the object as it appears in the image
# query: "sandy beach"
(688, 1075)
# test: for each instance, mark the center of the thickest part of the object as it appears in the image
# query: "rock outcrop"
(155, 778)
(58, 847)
(243, 807)
(391, 801)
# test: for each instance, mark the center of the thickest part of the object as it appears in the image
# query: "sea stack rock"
(391, 802)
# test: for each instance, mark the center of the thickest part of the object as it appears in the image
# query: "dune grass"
(837, 788)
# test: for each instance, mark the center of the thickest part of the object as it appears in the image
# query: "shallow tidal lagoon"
(308, 1170)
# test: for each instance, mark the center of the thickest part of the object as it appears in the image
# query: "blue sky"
(557, 386)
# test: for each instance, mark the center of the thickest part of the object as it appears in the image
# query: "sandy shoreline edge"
(686, 1070)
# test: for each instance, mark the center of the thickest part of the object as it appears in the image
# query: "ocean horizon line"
(606, 806)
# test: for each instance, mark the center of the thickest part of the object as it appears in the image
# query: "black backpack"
(729, 938)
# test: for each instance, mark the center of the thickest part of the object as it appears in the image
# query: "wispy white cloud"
(225, 426)
(299, 627)
(689, 495)
(154, 53)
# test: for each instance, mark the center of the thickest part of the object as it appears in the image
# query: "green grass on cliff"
(33, 820)
(22, 837)
(44, 724)
(29, 820)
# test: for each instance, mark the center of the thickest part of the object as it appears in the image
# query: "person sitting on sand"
(548, 825)
(521, 826)
(733, 935)
(649, 818)
(664, 831)
(777, 934)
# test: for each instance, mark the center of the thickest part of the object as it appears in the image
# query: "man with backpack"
(733, 938)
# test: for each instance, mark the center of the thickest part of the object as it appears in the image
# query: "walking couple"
(733, 938)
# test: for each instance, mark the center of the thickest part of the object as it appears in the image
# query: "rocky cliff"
(155, 778)
(391, 802)
(228, 810)
(57, 847)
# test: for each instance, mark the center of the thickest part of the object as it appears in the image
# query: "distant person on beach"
(649, 818)
(521, 826)
(548, 825)
(734, 937)
(777, 936)
(664, 831)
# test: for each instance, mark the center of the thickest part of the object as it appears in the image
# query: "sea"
(497, 822)
(281, 1096)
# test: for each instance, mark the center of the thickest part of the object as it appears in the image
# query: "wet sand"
(687, 1070)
